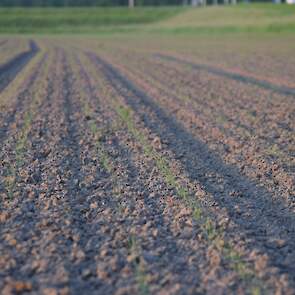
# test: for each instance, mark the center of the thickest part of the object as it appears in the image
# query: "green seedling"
(256, 291)
(10, 181)
(141, 280)
(214, 235)
(210, 229)
(197, 214)
(274, 151)
(221, 119)
(22, 135)
(140, 274)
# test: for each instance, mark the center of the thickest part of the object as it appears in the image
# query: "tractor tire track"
(9, 70)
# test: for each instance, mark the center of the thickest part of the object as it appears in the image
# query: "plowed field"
(142, 169)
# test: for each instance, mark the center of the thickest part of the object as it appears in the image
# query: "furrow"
(231, 75)
(152, 201)
(274, 173)
(236, 122)
(20, 98)
(9, 70)
(217, 178)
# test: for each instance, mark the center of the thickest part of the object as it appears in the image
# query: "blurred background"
(149, 16)
(131, 3)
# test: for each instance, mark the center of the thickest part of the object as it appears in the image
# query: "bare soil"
(128, 171)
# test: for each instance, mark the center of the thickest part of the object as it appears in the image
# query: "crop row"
(233, 144)
(115, 192)
(18, 138)
(100, 126)
(212, 233)
(244, 111)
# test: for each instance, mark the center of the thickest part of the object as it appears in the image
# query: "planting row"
(107, 187)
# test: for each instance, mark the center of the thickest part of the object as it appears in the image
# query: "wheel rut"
(9, 70)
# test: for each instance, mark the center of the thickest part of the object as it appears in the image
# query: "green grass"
(79, 20)
(248, 18)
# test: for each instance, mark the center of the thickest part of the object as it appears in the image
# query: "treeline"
(61, 3)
